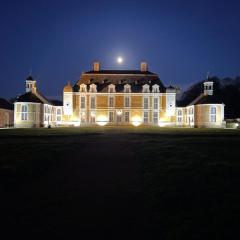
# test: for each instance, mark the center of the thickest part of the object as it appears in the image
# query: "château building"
(117, 97)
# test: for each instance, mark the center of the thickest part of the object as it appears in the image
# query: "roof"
(135, 78)
(138, 72)
(29, 97)
(206, 99)
(4, 104)
(56, 102)
(30, 78)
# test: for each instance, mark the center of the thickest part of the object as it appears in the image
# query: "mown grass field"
(178, 183)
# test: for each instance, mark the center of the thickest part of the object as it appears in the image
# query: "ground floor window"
(155, 117)
(179, 119)
(126, 117)
(213, 112)
(111, 117)
(24, 113)
(59, 119)
(145, 117)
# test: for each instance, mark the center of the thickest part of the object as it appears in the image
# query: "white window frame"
(155, 117)
(156, 104)
(145, 104)
(125, 101)
(83, 103)
(92, 102)
(145, 117)
(24, 112)
(213, 115)
(111, 103)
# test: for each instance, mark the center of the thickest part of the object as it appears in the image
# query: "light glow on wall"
(102, 120)
(136, 121)
(162, 124)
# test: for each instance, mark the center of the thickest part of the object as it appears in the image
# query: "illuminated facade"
(117, 97)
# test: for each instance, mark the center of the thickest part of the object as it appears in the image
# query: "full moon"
(119, 60)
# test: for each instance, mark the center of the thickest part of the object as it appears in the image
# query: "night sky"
(57, 40)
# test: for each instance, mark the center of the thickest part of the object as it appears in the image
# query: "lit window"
(213, 117)
(155, 117)
(93, 102)
(83, 102)
(127, 102)
(145, 117)
(24, 113)
(111, 117)
(126, 117)
(155, 103)
(111, 101)
(145, 103)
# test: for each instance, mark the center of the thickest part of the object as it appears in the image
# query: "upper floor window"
(213, 112)
(93, 102)
(145, 88)
(155, 103)
(111, 88)
(83, 88)
(93, 88)
(24, 112)
(145, 103)
(111, 102)
(155, 88)
(83, 102)
(127, 88)
(127, 101)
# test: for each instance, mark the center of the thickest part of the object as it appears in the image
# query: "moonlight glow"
(119, 60)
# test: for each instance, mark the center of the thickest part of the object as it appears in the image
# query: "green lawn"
(180, 183)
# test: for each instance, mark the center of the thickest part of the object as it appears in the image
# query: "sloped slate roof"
(135, 78)
(120, 72)
(29, 97)
(206, 99)
(4, 104)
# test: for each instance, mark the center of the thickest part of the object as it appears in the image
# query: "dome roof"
(68, 88)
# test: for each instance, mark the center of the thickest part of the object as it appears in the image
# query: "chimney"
(96, 66)
(144, 67)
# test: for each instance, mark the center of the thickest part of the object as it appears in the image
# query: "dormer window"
(146, 88)
(155, 88)
(127, 88)
(111, 88)
(83, 88)
(93, 88)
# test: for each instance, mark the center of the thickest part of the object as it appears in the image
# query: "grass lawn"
(179, 183)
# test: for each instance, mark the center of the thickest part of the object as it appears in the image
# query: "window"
(111, 88)
(126, 117)
(155, 88)
(83, 102)
(179, 112)
(145, 103)
(83, 88)
(92, 118)
(146, 88)
(155, 117)
(127, 88)
(155, 103)
(111, 102)
(24, 112)
(59, 119)
(213, 112)
(145, 117)
(127, 101)
(59, 112)
(93, 88)
(111, 117)
(179, 119)
(93, 104)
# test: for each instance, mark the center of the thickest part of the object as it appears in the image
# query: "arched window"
(24, 112)
(213, 112)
